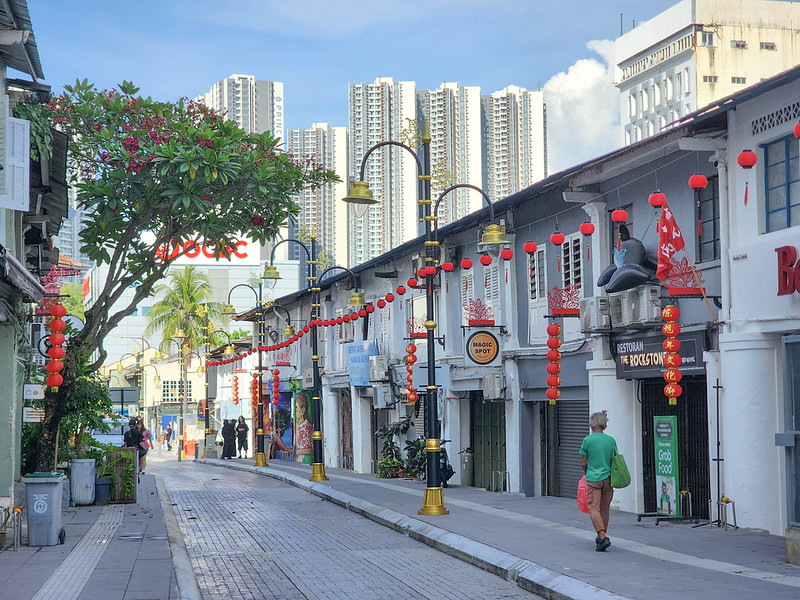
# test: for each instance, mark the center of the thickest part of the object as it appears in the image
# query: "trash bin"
(43, 493)
(467, 467)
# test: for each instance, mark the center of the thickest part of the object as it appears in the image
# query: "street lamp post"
(261, 458)
(208, 449)
(180, 338)
(360, 197)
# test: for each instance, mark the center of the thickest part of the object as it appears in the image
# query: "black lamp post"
(180, 338)
(261, 458)
(360, 197)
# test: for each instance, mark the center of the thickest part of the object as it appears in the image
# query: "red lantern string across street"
(553, 369)
(672, 360)
(747, 160)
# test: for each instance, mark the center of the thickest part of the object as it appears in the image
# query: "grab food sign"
(195, 252)
(788, 270)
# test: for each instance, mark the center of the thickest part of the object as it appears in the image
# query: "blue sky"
(176, 48)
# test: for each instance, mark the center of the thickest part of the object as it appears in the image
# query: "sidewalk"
(547, 546)
(114, 552)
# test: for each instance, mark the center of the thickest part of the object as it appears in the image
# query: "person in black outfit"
(228, 438)
(241, 437)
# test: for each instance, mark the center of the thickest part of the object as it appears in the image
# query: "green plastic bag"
(620, 476)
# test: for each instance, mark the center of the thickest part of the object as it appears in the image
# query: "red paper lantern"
(354, 316)
(671, 344)
(557, 238)
(56, 352)
(587, 228)
(409, 368)
(340, 320)
(671, 329)
(412, 283)
(410, 359)
(657, 199)
(529, 247)
(673, 375)
(381, 303)
(670, 313)
(553, 355)
(362, 313)
(672, 360)
(345, 318)
(698, 182)
(447, 267)
(553, 329)
(306, 329)
(506, 254)
(554, 343)
(553, 381)
(390, 297)
(300, 334)
(411, 349)
(553, 368)
(54, 380)
(672, 390)
(552, 393)
(401, 289)
(412, 397)
(430, 270)
(466, 264)
(619, 216)
(54, 366)
(57, 324)
(796, 130)
(58, 311)
(747, 159)
(485, 259)
(56, 339)
(275, 402)
(370, 308)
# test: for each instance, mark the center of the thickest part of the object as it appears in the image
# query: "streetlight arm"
(362, 171)
(464, 185)
(241, 285)
(274, 307)
(272, 254)
(337, 267)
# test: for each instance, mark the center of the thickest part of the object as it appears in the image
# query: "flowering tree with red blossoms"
(177, 170)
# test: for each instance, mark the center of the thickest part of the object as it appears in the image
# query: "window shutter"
(493, 289)
(467, 292)
(15, 173)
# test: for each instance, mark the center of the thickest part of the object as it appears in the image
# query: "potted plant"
(416, 459)
(392, 458)
(115, 474)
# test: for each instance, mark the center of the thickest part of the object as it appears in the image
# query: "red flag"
(670, 241)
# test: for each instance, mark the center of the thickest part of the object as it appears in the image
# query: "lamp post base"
(433, 503)
(261, 460)
(318, 472)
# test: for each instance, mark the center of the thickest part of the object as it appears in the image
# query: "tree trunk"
(53, 412)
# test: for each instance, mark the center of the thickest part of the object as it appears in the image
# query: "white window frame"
(537, 299)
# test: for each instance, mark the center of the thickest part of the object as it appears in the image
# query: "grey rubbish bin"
(43, 494)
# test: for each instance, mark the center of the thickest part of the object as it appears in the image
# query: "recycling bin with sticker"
(43, 493)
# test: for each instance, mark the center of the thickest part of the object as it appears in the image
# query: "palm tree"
(182, 305)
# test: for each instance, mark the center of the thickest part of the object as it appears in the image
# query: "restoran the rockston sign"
(642, 356)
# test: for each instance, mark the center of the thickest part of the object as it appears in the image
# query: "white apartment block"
(454, 120)
(379, 112)
(699, 51)
(255, 105)
(322, 210)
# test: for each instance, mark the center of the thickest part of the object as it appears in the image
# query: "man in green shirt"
(596, 451)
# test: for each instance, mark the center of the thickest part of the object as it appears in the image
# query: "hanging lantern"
(552, 393)
(619, 216)
(57, 324)
(657, 199)
(410, 359)
(529, 247)
(485, 259)
(671, 329)
(390, 297)
(300, 334)
(340, 320)
(370, 308)
(275, 402)
(354, 316)
(553, 369)
(54, 366)
(587, 228)
(345, 319)
(58, 311)
(381, 303)
(466, 264)
(553, 381)
(554, 343)
(235, 389)
(747, 160)
(671, 345)
(506, 254)
(553, 355)
(557, 238)
(56, 339)
(553, 329)
(54, 380)
(670, 313)
(411, 349)
(698, 182)
(401, 289)
(447, 267)
(306, 329)
(796, 130)
(673, 375)
(412, 282)
(56, 352)
(672, 360)
(430, 270)
(362, 313)
(412, 397)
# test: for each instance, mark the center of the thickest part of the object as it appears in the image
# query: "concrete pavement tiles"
(547, 546)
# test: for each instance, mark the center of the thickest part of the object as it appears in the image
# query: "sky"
(176, 48)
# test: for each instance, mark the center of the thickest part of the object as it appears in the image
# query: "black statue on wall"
(632, 267)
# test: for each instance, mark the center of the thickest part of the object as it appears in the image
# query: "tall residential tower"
(255, 105)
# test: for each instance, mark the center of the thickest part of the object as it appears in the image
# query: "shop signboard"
(482, 348)
(666, 464)
(642, 356)
(358, 354)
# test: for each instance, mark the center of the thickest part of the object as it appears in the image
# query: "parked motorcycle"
(444, 464)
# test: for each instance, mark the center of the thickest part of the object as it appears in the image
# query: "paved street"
(254, 537)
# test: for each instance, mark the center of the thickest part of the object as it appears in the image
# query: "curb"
(184, 573)
(527, 574)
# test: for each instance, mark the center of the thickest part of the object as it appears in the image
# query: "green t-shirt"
(597, 447)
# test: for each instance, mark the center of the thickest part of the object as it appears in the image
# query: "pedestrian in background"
(168, 437)
(146, 444)
(596, 451)
(228, 438)
(241, 437)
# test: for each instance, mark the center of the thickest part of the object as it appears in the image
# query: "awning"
(20, 277)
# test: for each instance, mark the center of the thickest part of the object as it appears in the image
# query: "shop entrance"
(692, 417)
(347, 429)
(563, 428)
(488, 442)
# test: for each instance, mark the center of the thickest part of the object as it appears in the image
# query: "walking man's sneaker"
(603, 544)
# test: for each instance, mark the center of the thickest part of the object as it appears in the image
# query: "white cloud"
(583, 109)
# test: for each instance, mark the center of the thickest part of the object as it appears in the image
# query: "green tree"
(176, 170)
(74, 299)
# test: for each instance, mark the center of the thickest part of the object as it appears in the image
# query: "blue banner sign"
(358, 354)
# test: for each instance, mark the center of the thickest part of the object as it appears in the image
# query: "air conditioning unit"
(382, 396)
(594, 314)
(615, 303)
(493, 387)
(379, 368)
(649, 304)
(630, 307)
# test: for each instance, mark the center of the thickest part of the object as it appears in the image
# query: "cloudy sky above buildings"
(175, 48)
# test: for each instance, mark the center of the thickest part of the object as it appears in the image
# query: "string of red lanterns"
(276, 385)
(672, 360)
(57, 325)
(553, 369)
(411, 358)
(235, 390)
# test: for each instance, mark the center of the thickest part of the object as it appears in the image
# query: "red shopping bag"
(583, 496)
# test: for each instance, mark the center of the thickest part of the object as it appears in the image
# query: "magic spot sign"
(482, 348)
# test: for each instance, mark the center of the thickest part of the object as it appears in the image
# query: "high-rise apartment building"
(699, 51)
(255, 105)
(495, 142)
(322, 210)
(379, 112)
(514, 140)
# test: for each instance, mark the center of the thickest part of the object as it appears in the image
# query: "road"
(252, 537)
